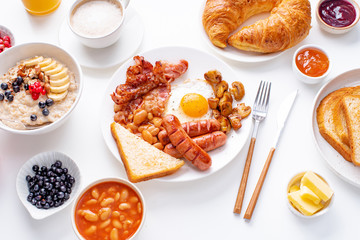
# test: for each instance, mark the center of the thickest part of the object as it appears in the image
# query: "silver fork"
(259, 111)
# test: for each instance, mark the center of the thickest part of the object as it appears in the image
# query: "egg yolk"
(194, 105)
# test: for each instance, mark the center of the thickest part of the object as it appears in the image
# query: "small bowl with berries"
(40, 85)
(7, 39)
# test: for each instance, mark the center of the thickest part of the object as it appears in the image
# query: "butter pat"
(305, 206)
(306, 193)
(317, 185)
(294, 188)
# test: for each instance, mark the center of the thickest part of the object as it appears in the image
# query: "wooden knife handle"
(254, 198)
(242, 187)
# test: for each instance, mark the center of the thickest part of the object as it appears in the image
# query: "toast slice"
(327, 108)
(142, 161)
(351, 106)
(340, 124)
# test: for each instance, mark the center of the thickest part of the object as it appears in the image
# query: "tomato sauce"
(312, 62)
(337, 13)
(108, 211)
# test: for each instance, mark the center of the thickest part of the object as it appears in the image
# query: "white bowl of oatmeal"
(40, 85)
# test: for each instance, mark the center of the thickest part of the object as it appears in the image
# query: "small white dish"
(110, 179)
(292, 208)
(128, 43)
(46, 159)
(13, 55)
(305, 78)
(342, 168)
(337, 30)
(5, 31)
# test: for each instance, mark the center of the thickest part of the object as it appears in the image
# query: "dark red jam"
(337, 13)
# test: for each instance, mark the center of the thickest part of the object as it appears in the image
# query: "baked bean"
(122, 217)
(116, 223)
(126, 232)
(124, 195)
(157, 121)
(131, 126)
(104, 213)
(133, 212)
(124, 206)
(80, 212)
(146, 135)
(111, 190)
(139, 117)
(95, 193)
(150, 116)
(143, 127)
(155, 140)
(90, 230)
(153, 130)
(91, 201)
(131, 116)
(101, 197)
(133, 199)
(105, 224)
(90, 216)
(108, 229)
(127, 224)
(106, 202)
(139, 208)
(117, 196)
(158, 145)
(115, 213)
(114, 234)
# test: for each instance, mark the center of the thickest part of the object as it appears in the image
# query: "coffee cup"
(97, 23)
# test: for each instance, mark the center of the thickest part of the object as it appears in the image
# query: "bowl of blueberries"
(47, 183)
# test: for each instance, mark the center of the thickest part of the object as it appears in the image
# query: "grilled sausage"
(184, 144)
(207, 142)
(193, 129)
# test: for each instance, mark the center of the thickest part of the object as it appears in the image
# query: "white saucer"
(129, 42)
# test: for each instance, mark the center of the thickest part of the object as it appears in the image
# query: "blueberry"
(4, 86)
(51, 203)
(14, 83)
(7, 93)
(10, 98)
(43, 191)
(16, 89)
(63, 189)
(65, 170)
(28, 178)
(26, 86)
(40, 183)
(59, 171)
(49, 102)
(42, 105)
(33, 117)
(35, 168)
(66, 196)
(57, 184)
(72, 180)
(30, 197)
(69, 185)
(61, 195)
(33, 201)
(2, 96)
(38, 204)
(38, 198)
(63, 177)
(46, 206)
(36, 188)
(19, 80)
(46, 185)
(43, 168)
(68, 190)
(45, 112)
(58, 179)
(58, 163)
(52, 179)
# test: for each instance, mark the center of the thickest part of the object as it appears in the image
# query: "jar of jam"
(337, 13)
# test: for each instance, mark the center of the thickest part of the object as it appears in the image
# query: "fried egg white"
(195, 91)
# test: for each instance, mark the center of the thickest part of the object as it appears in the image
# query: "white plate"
(236, 54)
(346, 170)
(129, 42)
(199, 63)
(46, 159)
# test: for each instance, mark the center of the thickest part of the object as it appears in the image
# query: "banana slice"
(45, 62)
(59, 89)
(63, 73)
(55, 70)
(52, 65)
(57, 96)
(61, 82)
(33, 61)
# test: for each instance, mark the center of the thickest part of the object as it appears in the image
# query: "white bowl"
(321, 212)
(46, 159)
(98, 41)
(5, 31)
(13, 55)
(110, 179)
(337, 30)
(305, 78)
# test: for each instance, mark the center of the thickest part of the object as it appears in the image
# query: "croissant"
(287, 25)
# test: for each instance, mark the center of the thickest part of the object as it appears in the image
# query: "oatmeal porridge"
(36, 91)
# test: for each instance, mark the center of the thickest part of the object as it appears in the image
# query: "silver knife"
(283, 114)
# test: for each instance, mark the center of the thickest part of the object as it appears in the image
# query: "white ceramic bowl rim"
(318, 48)
(357, 17)
(79, 92)
(80, 2)
(109, 179)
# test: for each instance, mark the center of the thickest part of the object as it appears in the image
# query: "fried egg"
(188, 100)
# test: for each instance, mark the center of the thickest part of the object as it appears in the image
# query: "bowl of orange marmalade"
(311, 64)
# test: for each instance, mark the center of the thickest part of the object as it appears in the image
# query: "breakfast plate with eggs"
(190, 87)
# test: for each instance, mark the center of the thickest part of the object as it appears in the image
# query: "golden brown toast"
(350, 105)
(142, 161)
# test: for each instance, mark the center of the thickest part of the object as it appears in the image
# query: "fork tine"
(258, 94)
(263, 93)
(267, 97)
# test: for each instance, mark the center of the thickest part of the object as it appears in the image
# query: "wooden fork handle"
(242, 187)
(254, 198)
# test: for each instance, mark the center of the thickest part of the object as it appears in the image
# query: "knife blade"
(283, 114)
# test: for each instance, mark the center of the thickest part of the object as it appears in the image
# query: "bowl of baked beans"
(109, 208)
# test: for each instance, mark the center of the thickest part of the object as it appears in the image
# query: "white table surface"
(201, 209)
